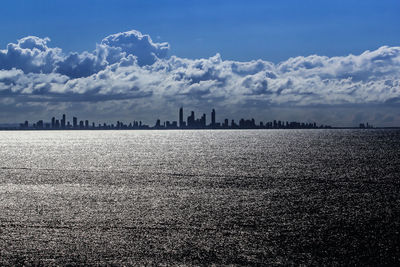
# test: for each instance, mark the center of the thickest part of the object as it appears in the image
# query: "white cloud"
(30, 54)
(138, 44)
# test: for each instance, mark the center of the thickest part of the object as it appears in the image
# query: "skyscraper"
(191, 120)
(203, 121)
(181, 117)
(75, 122)
(213, 118)
(63, 121)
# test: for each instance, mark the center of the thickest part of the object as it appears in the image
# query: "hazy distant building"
(190, 123)
(191, 120)
(213, 118)
(181, 117)
(63, 121)
(158, 124)
(39, 124)
(203, 121)
(226, 123)
(75, 122)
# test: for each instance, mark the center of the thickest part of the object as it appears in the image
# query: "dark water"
(313, 197)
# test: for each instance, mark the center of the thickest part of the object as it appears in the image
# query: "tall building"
(191, 120)
(39, 124)
(213, 118)
(75, 122)
(63, 121)
(181, 117)
(226, 123)
(158, 124)
(203, 121)
(53, 123)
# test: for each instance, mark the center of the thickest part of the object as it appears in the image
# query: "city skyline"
(191, 122)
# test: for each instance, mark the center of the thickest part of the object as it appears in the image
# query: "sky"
(334, 62)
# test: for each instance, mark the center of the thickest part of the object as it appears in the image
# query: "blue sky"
(334, 62)
(238, 30)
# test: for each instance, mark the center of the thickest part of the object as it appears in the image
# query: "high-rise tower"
(181, 117)
(75, 122)
(213, 118)
(63, 121)
(203, 121)
(191, 120)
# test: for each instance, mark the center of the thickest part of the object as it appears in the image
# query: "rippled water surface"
(314, 197)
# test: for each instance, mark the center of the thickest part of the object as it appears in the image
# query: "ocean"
(200, 197)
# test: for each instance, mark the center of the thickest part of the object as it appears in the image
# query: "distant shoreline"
(203, 129)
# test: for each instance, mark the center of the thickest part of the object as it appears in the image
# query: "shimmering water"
(314, 197)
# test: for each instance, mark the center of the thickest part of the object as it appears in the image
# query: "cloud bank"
(131, 70)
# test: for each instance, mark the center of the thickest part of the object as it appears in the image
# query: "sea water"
(245, 197)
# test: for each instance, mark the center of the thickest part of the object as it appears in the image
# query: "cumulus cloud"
(129, 66)
(32, 55)
(138, 44)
